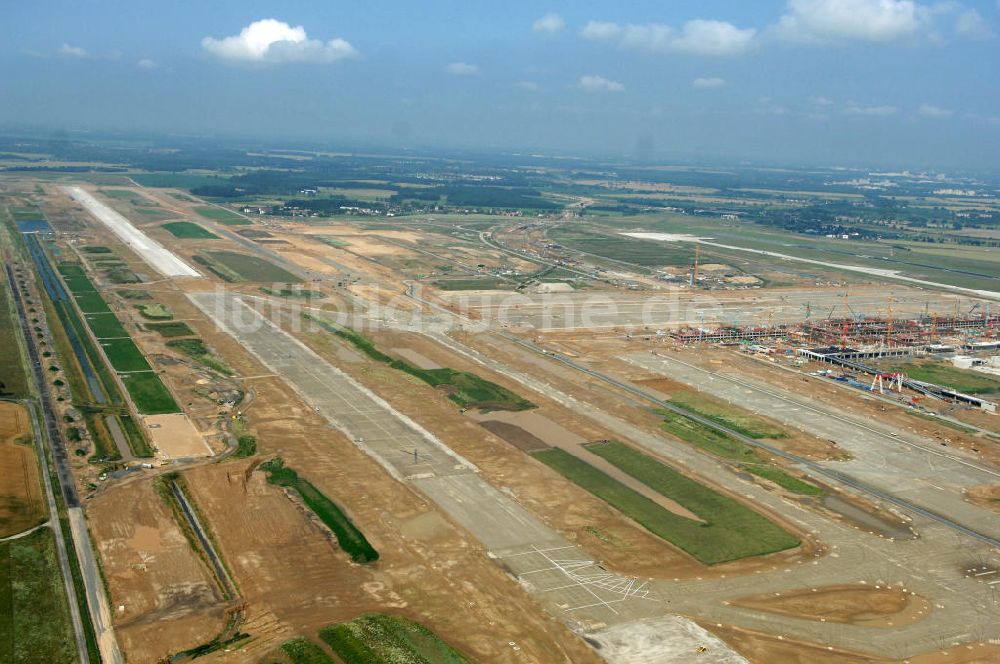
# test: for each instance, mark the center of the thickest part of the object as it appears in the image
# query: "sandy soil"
(175, 437)
(295, 580)
(21, 503)
(854, 605)
(163, 598)
(985, 496)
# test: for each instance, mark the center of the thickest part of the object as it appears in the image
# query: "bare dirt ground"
(175, 437)
(163, 598)
(21, 503)
(985, 496)
(583, 519)
(854, 605)
(295, 580)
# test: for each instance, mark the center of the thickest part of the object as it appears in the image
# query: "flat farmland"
(223, 216)
(21, 503)
(150, 395)
(13, 379)
(170, 599)
(34, 615)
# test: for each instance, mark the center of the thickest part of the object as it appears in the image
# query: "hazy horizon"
(858, 83)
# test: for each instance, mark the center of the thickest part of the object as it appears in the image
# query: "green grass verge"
(707, 438)
(473, 284)
(134, 294)
(728, 531)
(150, 395)
(223, 216)
(34, 612)
(963, 380)
(246, 267)
(171, 329)
(124, 355)
(784, 480)
(246, 446)
(198, 351)
(154, 311)
(731, 417)
(301, 650)
(137, 441)
(348, 536)
(188, 230)
(105, 326)
(292, 292)
(464, 388)
(376, 638)
(942, 421)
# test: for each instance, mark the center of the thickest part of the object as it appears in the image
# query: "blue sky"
(826, 82)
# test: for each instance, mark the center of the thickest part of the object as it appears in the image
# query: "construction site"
(293, 425)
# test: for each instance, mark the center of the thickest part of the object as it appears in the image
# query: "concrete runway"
(561, 575)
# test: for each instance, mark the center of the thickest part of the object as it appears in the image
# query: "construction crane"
(694, 272)
(888, 323)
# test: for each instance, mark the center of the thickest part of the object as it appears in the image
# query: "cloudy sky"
(827, 82)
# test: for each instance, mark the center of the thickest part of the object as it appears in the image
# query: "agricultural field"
(34, 614)
(223, 216)
(619, 248)
(728, 530)
(187, 230)
(105, 326)
(728, 416)
(22, 505)
(13, 379)
(474, 284)
(232, 266)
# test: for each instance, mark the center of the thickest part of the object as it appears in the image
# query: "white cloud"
(820, 101)
(73, 51)
(270, 40)
(595, 83)
(934, 112)
(846, 20)
(713, 38)
(530, 86)
(551, 23)
(971, 23)
(700, 37)
(708, 83)
(462, 69)
(145, 63)
(853, 108)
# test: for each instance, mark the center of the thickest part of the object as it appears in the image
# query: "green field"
(171, 329)
(176, 180)
(154, 311)
(728, 416)
(464, 388)
(105, 325)
(223, 216)
(303, 293)
(34, 613)
(187, 230)
(150, 395)
(197, 350)
(232, 266)
(707, 438)
(124, 355)
(963, 380)
(626, 249)
(134, 294)
(95, 249)
(301, 650)
(375, 638)
(729, 530)
(350, 539)
(13, 379)
(332, 241)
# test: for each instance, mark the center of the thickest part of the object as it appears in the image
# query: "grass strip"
(464, 388)
(348, 536)
(374, 638)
